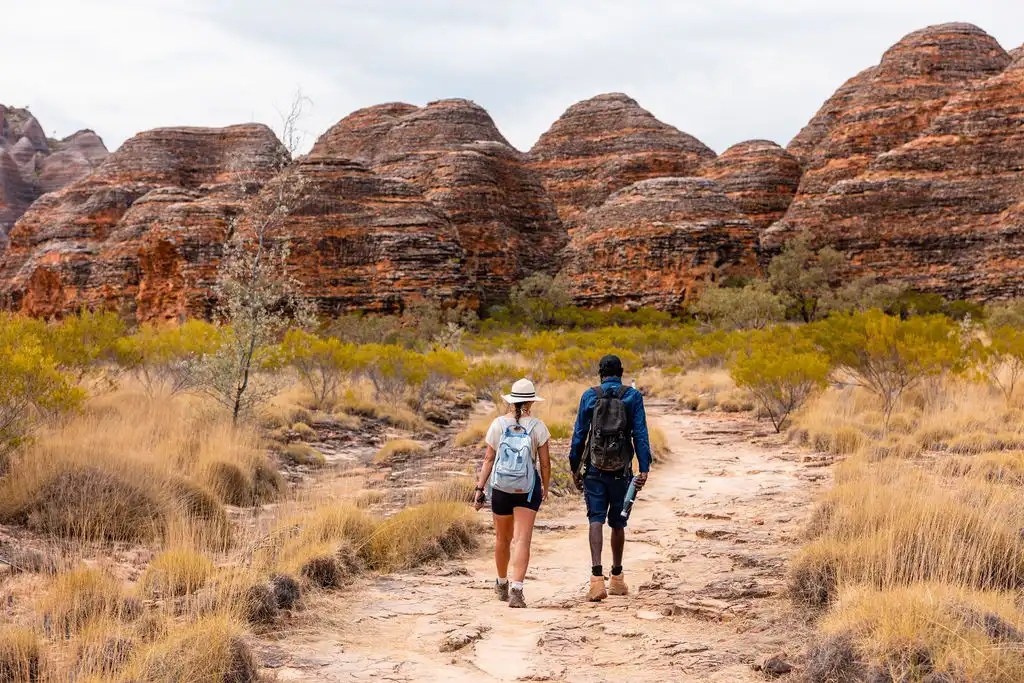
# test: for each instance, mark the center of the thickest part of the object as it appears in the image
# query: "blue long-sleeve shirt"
(634, 401)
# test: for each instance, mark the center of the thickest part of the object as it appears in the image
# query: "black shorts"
(503, 503)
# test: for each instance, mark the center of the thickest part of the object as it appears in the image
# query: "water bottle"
(627, 504)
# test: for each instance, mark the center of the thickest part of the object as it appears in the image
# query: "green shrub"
(780, 373)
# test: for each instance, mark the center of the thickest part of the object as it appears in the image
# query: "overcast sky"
(723, 70)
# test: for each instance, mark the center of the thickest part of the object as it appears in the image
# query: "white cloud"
(723, 71)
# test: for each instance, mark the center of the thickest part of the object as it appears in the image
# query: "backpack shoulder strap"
(532, 425)
(622, 392)
(599, 390)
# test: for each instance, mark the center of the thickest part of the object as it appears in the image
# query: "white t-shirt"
(538, 431)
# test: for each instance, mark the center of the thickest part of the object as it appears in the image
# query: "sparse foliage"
(781, 371)
(1002, 360)
(887, 355)
(255, 294)
(538, 298)
(752, 307)
(168, 357)
(803, 278)
(323, 363)
(32, 384)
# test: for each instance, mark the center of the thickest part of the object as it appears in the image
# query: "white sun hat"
(523, 391)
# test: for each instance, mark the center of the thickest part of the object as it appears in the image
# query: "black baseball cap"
(611, 366)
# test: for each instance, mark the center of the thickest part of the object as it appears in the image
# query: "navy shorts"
(605, 493)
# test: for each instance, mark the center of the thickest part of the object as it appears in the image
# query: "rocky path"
(705, 561)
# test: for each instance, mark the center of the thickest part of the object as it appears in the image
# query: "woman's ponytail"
(519, 412)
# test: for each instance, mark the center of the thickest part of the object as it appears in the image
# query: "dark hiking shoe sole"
(501, 590)
(516, 599)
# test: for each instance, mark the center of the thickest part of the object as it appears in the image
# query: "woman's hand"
(478, 499)
(544, 497)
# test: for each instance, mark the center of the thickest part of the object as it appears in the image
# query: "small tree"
(863, 294)
(254, 292)
(1006, 314)
(490, 380)
(168, 357)
(393, 370)
(322, 363)
(1002, 360)
(752, 307)
(79, 343)
(887, 355)
(803, 278)
(443, 367)
(780, 373)
(538, 298)
(32, 384)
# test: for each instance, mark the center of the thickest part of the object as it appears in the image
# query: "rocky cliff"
(364, 241)
(759, 177)
(918, 173)
(145, 231)
(32, 165)
(914, 169)
(943, 212)
(465, 168)
(654, 243)
(601, 145)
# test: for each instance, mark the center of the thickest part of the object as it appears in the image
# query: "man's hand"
(641, 479)
(577, 479)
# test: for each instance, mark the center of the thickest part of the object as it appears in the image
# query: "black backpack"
(610, 446)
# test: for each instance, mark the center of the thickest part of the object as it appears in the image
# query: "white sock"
(501, 581)
(517, 585)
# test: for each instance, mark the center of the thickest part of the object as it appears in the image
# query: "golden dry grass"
(130, 468)
(21, 655)
(303, 454)
(210, 649)
(697, 389)
(421, 533)
(928, 628)
(403, 448)
(450, 490)
(83, 595)
(473, 434)
(176, 572)
(892, 524)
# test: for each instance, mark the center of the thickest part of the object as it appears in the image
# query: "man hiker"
(611, 428)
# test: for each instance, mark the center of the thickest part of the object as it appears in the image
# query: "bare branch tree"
(255, 294)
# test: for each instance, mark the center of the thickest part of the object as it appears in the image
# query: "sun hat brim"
(511, 399)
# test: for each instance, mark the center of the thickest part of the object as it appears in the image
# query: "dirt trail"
(705, 561)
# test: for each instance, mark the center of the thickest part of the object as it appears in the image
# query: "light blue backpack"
(513, 464)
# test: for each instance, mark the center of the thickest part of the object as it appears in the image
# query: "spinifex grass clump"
(890, 524)
(129, 468)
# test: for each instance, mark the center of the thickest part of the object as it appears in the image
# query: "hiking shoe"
(516, 599)
(597, 591)
(617, 585)
(502, 590)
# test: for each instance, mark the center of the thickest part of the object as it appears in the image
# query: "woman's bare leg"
(504, 526)
(524, 518)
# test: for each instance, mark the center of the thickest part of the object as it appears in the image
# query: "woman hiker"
(514, 445)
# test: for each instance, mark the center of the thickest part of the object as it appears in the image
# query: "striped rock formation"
(32, 165)
(943, 210)
(655, 242)
(759, 177)
(145, 232)
(454, 153)
(601, 145)
(361, 241)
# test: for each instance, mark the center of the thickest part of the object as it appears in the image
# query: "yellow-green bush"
(781, 372)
